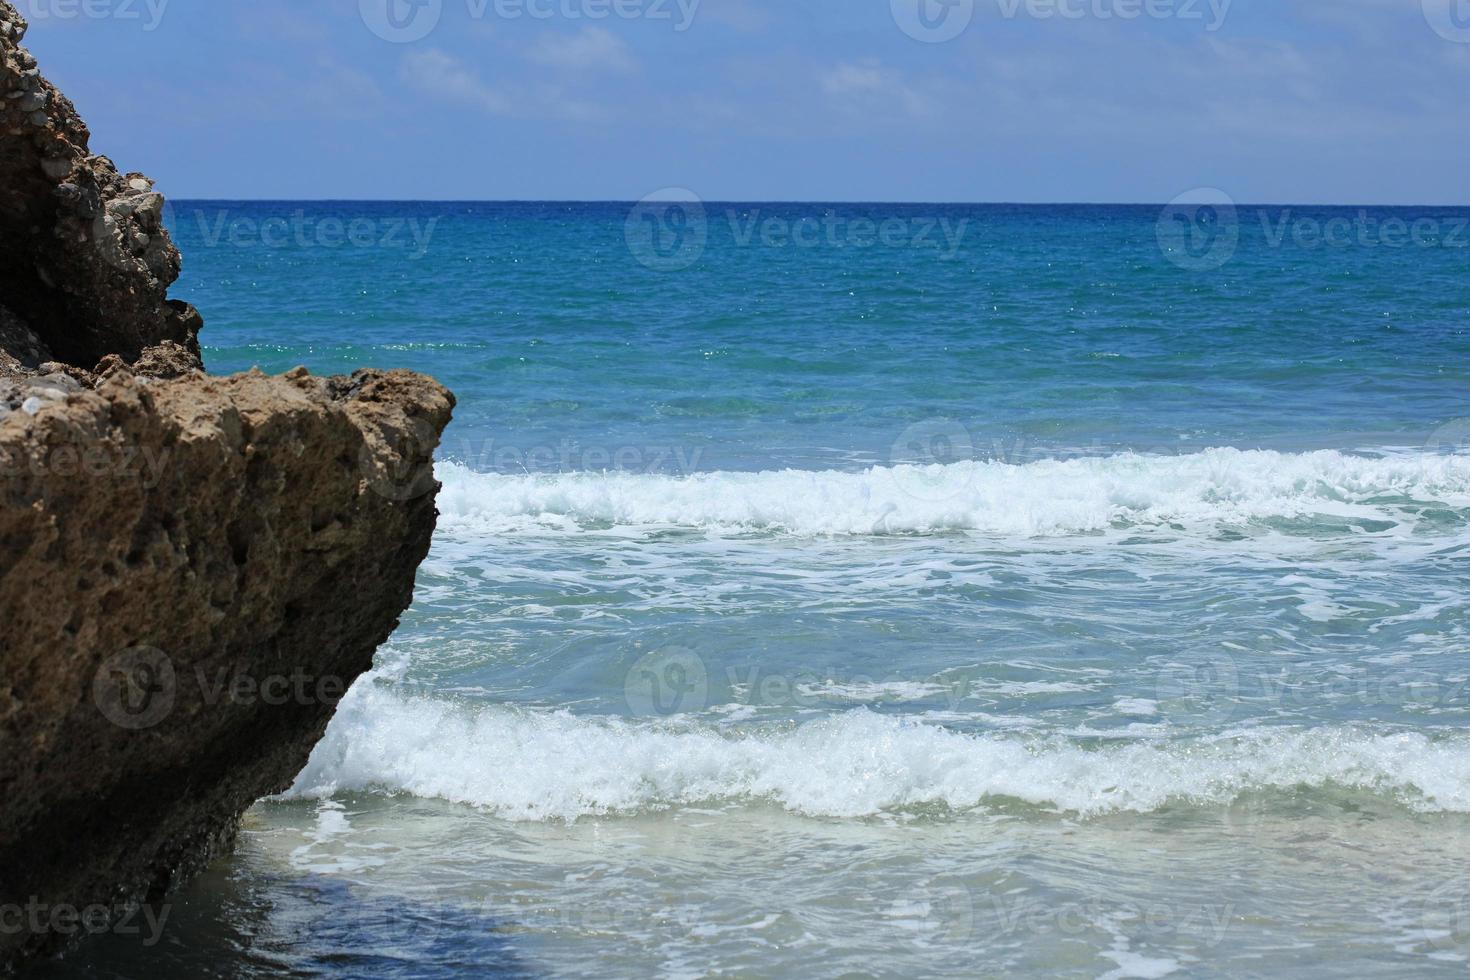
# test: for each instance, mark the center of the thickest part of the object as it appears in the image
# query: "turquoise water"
(881, 590)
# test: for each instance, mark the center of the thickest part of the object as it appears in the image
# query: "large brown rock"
(194, 572)
(85, 261)
(192, 569)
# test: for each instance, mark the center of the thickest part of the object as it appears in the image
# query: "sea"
(892, 590)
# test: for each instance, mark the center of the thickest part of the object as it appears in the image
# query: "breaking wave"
(1049, 497)
(534, 765)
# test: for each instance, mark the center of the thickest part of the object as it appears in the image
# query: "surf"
(1205, 490)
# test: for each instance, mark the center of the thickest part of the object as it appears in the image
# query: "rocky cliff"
(192, 569)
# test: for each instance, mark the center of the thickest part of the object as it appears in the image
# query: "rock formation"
(192, 569)
(84, 259)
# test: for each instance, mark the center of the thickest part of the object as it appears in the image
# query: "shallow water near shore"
(1040, 607)
(368, 886)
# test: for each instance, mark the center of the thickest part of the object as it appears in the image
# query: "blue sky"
(1301, 101)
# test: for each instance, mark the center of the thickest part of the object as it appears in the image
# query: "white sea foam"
(1049, 497)
(529, 765)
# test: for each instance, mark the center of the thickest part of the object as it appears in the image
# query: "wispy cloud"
(437, 73)
(594, 49)
(341, 90)
(1305, 100)
(444, 78)
(867, 87)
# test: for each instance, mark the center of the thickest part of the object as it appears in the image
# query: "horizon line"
(713, 200)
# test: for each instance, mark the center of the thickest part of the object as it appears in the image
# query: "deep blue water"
(886, 589)
(1059, 326)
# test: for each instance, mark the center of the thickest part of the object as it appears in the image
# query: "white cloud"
(338, 90)
(742, 15)
(867, 87)
(434, 72)
(441, 76)
(594, 49)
